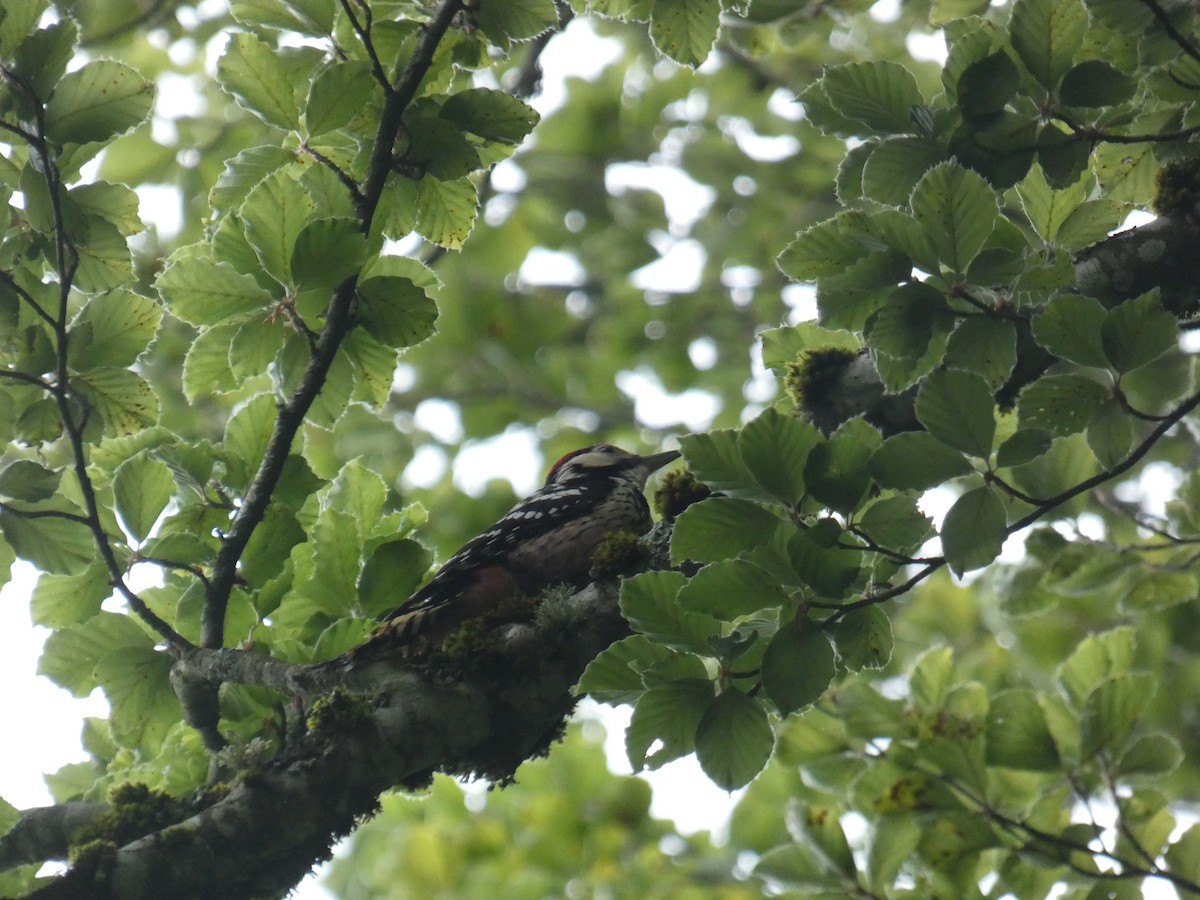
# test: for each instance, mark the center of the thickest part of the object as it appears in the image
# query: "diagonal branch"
(337, 326)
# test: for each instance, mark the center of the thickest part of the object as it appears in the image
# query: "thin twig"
(24, 378)
(1169, 27)
(363, 31)
(66, 261)
(16, 288)
(45, 514)
(839, 611)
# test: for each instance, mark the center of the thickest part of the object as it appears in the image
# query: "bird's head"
(605, 459)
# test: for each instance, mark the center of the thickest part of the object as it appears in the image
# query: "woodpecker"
(546, 539)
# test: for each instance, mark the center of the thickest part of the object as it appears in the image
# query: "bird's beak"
(656, 461)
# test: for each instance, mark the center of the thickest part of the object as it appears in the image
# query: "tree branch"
(45, 833)
(337, 325)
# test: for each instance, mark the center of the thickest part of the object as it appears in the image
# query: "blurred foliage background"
(613, 288)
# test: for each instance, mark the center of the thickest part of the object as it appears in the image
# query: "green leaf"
(275, 213)
(1137, 332)
(648, 601)
(373, 365)
(254, 74)
(720, 527)
(137, 682)
(896, 523)
(827, 248)
(714, 457)
(797, 867)
(932, 678)
(42, 58)
(1110, 433)
(243, 172)
(1017, 735)
(142, 488)
(896, 165)
(206, 367)
(24, 479)
(846, 301)
(338, 94)
(1089, 223)
(774, 449)
(836, 471)
(615, 676)
(490, 114)
(395, 312)
(797, 667)
(904, 235)
(985, 346)
(390, 574)
(18, 22)
(827, 569)
(446, 210)
(1023, 446)
(70, 656)
(958, 409)
(326, 252)
(1070, 327)
(863, 638)
(685, 30)
(102, 99)
(1097, 657)
(731, 588)
(61, 600)
(1111, 711)
(342, 636)
(200, 292)
(1046, 34)
(893, 840)
(957, 210)
(113, 330)
(916, 460)
(1151, 754)
(880, 96)
(1183, 856)
(905, 325)
(246, 436)
(104, 259)
(1159, 590)
(974, 530)
(516, 20)
(114, 203)
(987, 85)
(866, 714)
(185, 549)
(667, 714)
(440, 148)
(336, 560)
(1060, 404)
(734, 740)
(783, 345)
(1096, 83)
(1046, 207)
(123, 399)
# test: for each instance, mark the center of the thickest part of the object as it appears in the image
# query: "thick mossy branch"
(407, 724)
